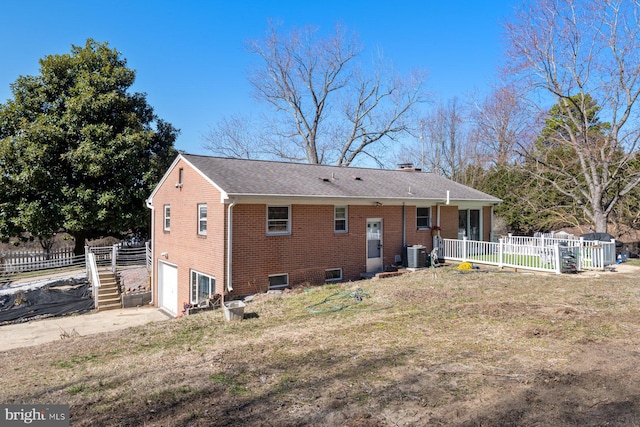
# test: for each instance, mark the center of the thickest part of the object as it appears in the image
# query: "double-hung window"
(278, 220)
(167, 217)
(202, 219)
(340, 219)
(423, 218)
(202, 287)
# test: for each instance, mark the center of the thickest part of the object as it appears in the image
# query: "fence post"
(557, 258)
(612, 254)
(464, 248)
(86, 260)
(501, 253)
(114, 254)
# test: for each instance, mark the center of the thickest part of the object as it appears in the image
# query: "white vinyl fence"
(19, 261)
(533, 253)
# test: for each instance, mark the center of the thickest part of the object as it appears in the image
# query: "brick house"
(238, 227)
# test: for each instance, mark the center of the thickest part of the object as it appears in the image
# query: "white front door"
(374, 245)
(168, 287)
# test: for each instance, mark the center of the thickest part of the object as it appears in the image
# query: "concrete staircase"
(108, 296)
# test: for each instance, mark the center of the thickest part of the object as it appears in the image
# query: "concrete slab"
(46, 330)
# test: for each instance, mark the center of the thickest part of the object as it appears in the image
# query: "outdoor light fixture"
(377, 204)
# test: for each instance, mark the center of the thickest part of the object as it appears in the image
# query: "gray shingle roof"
(239, 177)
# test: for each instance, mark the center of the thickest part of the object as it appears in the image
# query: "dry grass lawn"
(462, 349)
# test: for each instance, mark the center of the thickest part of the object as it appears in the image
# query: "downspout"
(230, 243)
(446, 202)
(404, 226)
(149, 204)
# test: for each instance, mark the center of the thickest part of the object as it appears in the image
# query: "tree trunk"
(600, 220)
(79, 237)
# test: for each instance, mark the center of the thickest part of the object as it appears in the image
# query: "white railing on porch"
(532, 253)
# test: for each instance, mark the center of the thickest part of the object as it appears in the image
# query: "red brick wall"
(312, 247)
(185, 248)
(449, 222)
(486, 223)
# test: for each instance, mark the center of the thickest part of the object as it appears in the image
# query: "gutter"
(230, 243)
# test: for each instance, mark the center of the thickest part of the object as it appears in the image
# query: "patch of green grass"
(634, 261)
(234, 383)
(528, 260)
(76, 389)
(76, 360)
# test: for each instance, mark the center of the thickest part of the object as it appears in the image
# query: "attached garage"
(168, 287)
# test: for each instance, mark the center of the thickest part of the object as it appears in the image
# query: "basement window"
(333, 275)
(202, 287)
(278, 281)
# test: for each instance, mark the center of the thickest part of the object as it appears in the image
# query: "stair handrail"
(93, 275)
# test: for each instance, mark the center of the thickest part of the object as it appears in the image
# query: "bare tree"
(328, 109)
(444, 134)
(501, 123)
(236, 137)
(573, 51)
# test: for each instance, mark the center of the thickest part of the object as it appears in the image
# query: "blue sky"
(190, 57)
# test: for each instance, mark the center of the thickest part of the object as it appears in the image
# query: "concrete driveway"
(52, 329)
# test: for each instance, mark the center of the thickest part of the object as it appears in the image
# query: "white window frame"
(336, 219)
(270, 222)
(202, 221)
(282, 286)
(422, 227)
(333, 279)
(166, 217)
(194, 282)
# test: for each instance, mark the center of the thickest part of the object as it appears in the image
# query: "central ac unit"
(416, 256)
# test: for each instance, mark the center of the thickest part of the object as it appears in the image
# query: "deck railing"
(532, 253)
(120, 256)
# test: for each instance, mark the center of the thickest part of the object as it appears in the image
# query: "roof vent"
(408, 167)
(325, 179)
(357, 178)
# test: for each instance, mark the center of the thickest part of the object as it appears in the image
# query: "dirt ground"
(430, 348)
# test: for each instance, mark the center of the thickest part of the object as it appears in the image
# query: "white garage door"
(168, 287)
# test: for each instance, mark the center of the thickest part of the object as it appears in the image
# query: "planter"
(233, 310)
